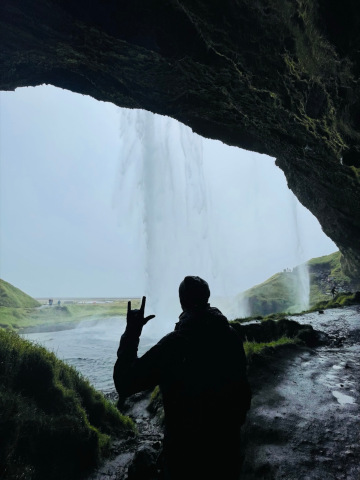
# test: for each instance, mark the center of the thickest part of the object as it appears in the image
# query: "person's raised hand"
(135, 318)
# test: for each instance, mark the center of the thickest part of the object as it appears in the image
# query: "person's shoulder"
(171, 345)
(173, 338)
(215, 311)
(214, 314)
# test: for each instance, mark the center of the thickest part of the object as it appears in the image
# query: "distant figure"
(59, 303)
(201, 370)
(50, 301)
(333, 291)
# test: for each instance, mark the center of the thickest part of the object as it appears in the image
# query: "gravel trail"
(305, 417)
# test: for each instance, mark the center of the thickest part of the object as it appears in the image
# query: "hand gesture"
(135, 318)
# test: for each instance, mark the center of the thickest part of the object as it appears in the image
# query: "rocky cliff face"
(273, 76)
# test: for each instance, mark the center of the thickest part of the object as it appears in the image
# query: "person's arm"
(130, 375)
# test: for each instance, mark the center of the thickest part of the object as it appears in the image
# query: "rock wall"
(272, 76)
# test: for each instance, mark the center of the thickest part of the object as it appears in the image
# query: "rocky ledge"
(275, 77)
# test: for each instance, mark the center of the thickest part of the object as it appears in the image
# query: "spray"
(164, 160)
(302, 270)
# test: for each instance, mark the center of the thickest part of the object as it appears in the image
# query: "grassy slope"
(324, 273)
(278, 293)
(258, 348)
(53, 424)
(11, 296)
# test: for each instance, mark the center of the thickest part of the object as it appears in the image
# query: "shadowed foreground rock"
(273, 76)
(304, 422)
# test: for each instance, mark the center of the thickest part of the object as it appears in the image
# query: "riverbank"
(64, 316)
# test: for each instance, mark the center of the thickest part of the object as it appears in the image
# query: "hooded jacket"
(201, 370)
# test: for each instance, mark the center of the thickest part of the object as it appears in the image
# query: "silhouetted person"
(333, 291)
(201, 370)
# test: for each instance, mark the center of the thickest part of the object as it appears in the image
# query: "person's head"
(194, 292)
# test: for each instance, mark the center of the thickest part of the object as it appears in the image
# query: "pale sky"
(75, 221)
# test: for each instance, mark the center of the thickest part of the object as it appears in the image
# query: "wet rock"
(315, 435)
(309, 336)
(145, 464)
(270, 330)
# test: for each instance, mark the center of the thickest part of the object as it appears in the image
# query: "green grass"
(327, 266)
(18, 310)
(53, 423)
(330, 263)
(255, 348)
(340, 300)
(19, 318)
(278, 293)
(155, 405)
(11, 296)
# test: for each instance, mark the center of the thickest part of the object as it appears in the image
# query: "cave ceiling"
(279, 77)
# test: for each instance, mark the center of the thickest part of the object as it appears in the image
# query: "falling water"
(164, 159)
(302, 270)
(167, 210)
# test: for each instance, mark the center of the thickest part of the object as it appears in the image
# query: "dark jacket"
(201, 371)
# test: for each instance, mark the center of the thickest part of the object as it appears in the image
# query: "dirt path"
(305, 417)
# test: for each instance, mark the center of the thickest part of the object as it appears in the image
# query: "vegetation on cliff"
(279, 293)
(53, 424)
(326, 272)
(276, 294)
(11, 296)
(339, 300)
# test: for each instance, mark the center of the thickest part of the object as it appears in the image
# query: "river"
(90, 347)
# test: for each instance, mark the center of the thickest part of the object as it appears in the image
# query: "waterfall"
(166, 209)
(164, 160)
(302, 270)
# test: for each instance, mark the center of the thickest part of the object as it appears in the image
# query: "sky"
(98, 201)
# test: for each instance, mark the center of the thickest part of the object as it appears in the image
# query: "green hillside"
(276, 294)
(325, 272)
(11, 296)
(54, 424)
(282, 291)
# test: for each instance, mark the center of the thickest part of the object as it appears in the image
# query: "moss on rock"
(275, 77)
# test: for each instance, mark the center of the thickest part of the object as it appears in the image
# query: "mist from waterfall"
(164, 160)
(136, 216)
(166, 204)
(301, 270)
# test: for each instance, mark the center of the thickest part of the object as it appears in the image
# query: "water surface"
(90, 347)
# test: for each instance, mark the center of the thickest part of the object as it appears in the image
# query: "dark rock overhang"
(273, 76)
